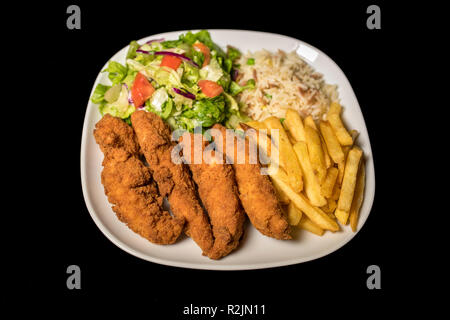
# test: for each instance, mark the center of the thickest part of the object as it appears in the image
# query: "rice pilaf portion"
(283, 81)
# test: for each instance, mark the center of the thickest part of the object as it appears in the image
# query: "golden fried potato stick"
(358, 197)
(336, 192)
(263, 140)
(348, 184)
(341, 165)
(316, 152)
(328, 161)
(315, 214)
(308, 225)
(332, 204)
(329, 182)
(309, 121)
(255, 125)
(311, 182)
(294, 214)
(288, 160)
(291, 138)
(333, 146)
(282, 197)
(294, 124)
(334, 117)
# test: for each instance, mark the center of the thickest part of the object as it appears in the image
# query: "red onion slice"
(155, 40)
(184, 94)
(168, 53)
(130, 100)
(143, 51)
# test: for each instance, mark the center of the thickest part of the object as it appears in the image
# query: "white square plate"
(255, 251)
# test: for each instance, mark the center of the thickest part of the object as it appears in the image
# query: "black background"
(65, 234)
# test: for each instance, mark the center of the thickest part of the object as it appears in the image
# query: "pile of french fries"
(320, 174)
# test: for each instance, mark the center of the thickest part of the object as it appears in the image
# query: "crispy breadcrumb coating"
(174, 180)
(129, 185)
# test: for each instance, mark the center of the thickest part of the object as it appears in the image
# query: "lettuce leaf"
(235, 88)
(99, 93)
(233, 53)
(119, 108)
(116, 72)
(131, 54)
(207, 111)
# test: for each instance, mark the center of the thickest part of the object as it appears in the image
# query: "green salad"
(188, 82)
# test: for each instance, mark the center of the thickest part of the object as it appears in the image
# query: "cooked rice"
(289, 80)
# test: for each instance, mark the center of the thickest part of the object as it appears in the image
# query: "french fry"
(294, 125)
(310, 181)
(308, 225)
(325, 209)
(331, 215)
(358, 197)
(294, 214)
(309, 121)
(287, 155)
(329, 208)
(315, 214)
(332, 204)
(282, 197)
(333, 146)
(256, 125)
(336, 192)
(355, 134)
(328, 161)
(334, 117)
(348, 185)
(316, 152)
(341, 165)
(291, 138)
(329, 182)
(263, 140)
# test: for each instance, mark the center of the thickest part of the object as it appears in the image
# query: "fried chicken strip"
(173, 180)
(218, 192)
(256, 192)
(129, 185)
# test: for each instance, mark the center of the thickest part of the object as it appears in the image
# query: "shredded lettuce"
(99, 93)
(129, 79)
(207, 111)
(233, 114)
(158, 98)
(116, 72)
(212, 71)
(191, 75)
(235, 88)
(131, 54)
(113, 93)
(178, 111)
(119, 108)
(233, 53)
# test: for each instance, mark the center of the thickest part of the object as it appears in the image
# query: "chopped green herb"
(250, 61)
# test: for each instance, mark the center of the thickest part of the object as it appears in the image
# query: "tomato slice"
(205, 50)
(141, 90)
(210, 88)
(171, 62)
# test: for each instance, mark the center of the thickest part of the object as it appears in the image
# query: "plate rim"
(200, 266)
